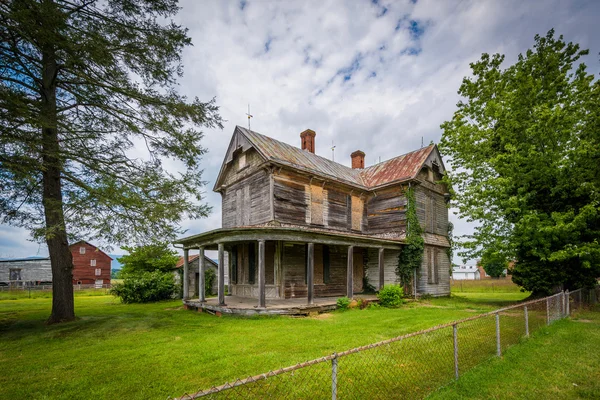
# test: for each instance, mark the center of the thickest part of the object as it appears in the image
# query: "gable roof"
(91, 245)
(397, 169)
(191, 259)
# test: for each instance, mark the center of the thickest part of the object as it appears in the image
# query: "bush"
(343, 303)
(391, 296)
(145, 287)
(209, 279)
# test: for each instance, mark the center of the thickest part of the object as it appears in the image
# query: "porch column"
(202, 268)
(186, 278)
(221, 275)
(261, 274)
(381, 269)
(310, 272)
(349, 275)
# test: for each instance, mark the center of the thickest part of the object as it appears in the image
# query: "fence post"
(526, 322)
(564, 307)
(334, 367)
(547, 310)
(568, 304)
(455, 334)
(498, 348)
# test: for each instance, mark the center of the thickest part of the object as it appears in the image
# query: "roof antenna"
(332, 151)
(250, 116)
(249, 125)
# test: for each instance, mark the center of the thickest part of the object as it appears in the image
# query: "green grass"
(156, 350)
(501, 285)
(559, 362)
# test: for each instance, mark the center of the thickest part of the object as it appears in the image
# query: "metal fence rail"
(409, 366)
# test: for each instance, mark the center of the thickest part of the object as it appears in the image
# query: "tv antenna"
(421, 136)
(251, 116)
(332, 151)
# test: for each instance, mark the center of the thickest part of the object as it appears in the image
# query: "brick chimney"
(358, 159)
(308, 140)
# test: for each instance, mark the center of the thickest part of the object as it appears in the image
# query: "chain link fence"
(408, 366)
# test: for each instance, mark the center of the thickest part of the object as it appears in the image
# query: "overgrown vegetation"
(494, 263)
(209, 278)
(391, 296)
(148, 258)
(411, 255)
(343, 303)
(145, 287)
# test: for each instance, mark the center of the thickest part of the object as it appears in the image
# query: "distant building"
(465, 272)
(25, 272)
(194, 274)
(91, 266)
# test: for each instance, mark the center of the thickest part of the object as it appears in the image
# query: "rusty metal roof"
(400, 168)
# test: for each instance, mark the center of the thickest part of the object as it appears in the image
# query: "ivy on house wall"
(411, 256)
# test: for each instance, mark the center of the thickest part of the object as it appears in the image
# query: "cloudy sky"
(379, 76)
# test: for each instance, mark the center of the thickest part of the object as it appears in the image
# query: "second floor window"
(82, 250)
(98, 271)
(92, 263)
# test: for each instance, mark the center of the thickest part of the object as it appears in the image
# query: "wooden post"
(455, 336)
(261, 274)
(349, 273)
(186, 278)
(201, 272)
(310, 272)
(381, 269)
(568, 304)
(547, 310)
(498, 344)
(526, 322)
(221, 275)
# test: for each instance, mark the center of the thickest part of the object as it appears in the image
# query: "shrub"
(343, 303)
(209, 279)
(391, 296)
(145, 287)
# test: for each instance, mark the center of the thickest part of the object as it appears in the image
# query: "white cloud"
(402, 83)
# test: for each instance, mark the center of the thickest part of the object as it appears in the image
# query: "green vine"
(450, 250)
(411, 256)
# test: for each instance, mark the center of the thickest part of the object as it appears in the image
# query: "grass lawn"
(159, 350)
(559, 362)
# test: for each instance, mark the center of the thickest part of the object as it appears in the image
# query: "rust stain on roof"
(397, 169)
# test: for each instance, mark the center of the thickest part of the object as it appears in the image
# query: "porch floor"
(249, 306)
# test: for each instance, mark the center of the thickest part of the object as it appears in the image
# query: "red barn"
(91, 265)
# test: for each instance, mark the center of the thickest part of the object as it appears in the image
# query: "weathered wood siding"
(34, 270)
(247, 202)
(390, 262)
(291, 199)
(431, 211)
(434, 275)
(244, 285)
(294, 271)
(386, 212)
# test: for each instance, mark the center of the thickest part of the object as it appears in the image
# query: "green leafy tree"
(494, 263)
(88, 113)
(524, 145)
(148, 258)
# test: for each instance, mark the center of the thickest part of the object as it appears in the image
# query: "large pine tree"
(88, 113)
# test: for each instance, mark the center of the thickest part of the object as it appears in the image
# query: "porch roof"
(210, 240)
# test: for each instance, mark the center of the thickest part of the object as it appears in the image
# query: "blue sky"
(378, 76)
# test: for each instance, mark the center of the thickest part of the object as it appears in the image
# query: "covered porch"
(284, 268)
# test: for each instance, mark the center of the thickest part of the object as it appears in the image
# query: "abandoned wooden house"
(297, 225)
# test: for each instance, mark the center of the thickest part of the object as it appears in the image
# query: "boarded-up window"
(234, 265)
(316, 204)
(326, 265)
(251, 263)
(432, 266)
(241, 161)
(357, 213)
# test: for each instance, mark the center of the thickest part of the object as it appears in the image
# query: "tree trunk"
(61, 260)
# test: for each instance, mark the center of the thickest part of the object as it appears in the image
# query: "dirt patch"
(174, 308)
(323, 316)
(587, 321)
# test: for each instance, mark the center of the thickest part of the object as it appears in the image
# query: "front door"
(358, 270)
